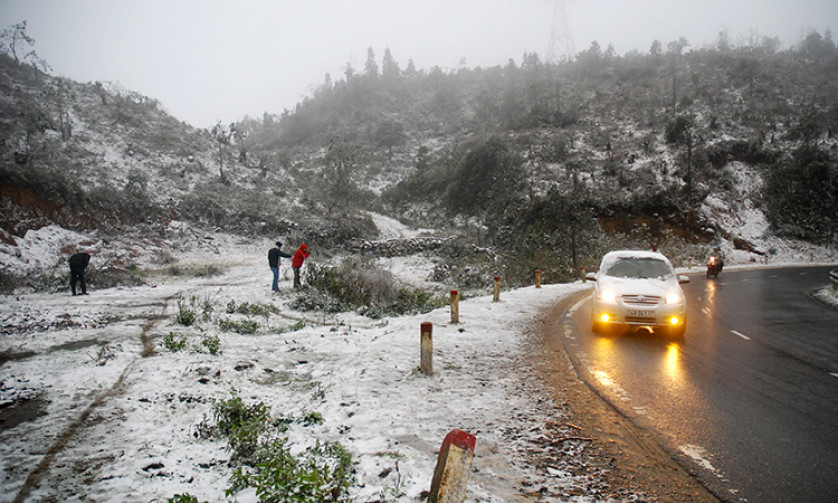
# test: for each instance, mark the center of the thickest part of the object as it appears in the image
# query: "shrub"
(244, 327)
(110, 277)
(356, 284)
(212, 344)
(242, 424)
(182, 498)
(312, 418)
(297, 326)
(185, 315)
(249, 309)
(323, 473)
(174, 342)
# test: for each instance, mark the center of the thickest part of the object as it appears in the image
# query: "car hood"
(635, 286)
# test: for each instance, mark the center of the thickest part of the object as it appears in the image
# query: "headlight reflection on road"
(678, 392)
(672, 366)
(605, 347)
(710, 291)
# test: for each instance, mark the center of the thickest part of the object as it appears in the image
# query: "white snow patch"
(38, 249)
(699, 455)
(390, 228)
(828, 295)
(611, 385)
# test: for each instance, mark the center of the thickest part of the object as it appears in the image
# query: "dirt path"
(632, 460)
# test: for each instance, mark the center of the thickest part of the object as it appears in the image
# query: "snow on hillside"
(741, 217)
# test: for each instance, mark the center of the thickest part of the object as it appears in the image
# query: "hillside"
(530, 164)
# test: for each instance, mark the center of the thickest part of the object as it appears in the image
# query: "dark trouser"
(77, 275)
(296, 276)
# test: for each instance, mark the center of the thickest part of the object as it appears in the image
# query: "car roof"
(635, 253)
(645, 254)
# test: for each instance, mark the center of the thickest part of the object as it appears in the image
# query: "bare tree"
(15, 40)
(221, 135)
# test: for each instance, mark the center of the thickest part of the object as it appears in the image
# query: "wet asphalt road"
(748, 398)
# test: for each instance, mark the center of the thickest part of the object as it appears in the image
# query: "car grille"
(643, 320)
(641, 300)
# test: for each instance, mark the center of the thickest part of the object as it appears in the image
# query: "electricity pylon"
(561, 41)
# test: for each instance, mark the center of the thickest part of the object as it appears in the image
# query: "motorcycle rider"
(719, 255)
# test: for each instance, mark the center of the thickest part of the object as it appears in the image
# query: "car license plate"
(640, 313)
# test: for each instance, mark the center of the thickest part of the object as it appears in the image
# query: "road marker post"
(538, 278)
(426, 348)
(455, 306)
(584, 278)
(497, 289)
(452, 468)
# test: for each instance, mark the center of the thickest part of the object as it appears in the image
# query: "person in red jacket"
(297, 261)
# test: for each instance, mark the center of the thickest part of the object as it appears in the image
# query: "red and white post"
(452, 468)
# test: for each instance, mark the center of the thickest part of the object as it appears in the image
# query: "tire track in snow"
(34, 478)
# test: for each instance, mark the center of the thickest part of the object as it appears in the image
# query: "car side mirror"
(591, 276)
(683, 279)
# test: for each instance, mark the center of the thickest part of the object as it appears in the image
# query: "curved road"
(748, 399)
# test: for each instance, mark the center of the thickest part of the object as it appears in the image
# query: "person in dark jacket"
(273, 261)
(78, 263)
(297, 261)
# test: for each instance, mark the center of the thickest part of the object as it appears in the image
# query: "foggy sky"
(211, 60)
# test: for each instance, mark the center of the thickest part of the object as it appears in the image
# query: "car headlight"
(608, 296)
(674, 298)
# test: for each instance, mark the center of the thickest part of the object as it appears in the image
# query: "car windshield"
(638, 267)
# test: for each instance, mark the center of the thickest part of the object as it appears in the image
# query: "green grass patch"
(244, 327)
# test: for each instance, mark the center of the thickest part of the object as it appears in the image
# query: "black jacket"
(79, 261)
(273, 256)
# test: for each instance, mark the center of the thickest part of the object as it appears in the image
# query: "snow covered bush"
(358, 285)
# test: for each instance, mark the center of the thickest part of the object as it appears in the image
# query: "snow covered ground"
(96, 408)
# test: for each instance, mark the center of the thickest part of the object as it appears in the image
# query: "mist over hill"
(528, 164)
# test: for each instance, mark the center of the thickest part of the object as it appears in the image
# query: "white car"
(638, 289)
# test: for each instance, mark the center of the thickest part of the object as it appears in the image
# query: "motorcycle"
(714, 267)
